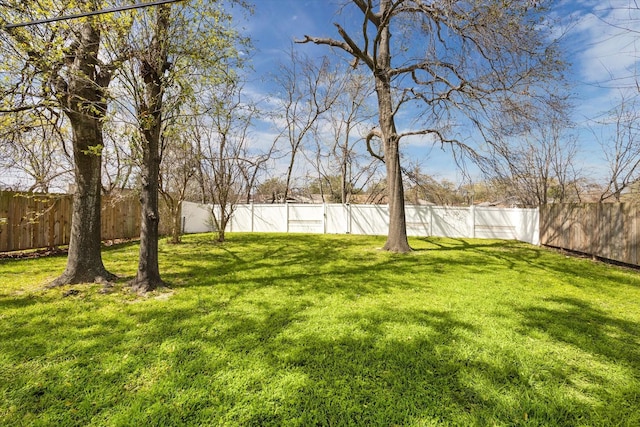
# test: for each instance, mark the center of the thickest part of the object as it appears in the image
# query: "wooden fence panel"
(120, 218)
(30, 221)
(604, 230)
(26, 220)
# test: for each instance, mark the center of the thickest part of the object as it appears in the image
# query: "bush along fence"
(609, 231)
(474, 221)
(30, 220)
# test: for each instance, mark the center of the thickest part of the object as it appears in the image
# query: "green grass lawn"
(325, 330)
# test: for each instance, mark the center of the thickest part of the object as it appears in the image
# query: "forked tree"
(151, 63)
(460, 69)
(32, 145)
(621, 147)
(178, 169)
(340, 160)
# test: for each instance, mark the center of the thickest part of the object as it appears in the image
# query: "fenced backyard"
(609, 231)
(301, 329)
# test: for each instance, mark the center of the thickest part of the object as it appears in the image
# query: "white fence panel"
(528, 225)
(451, 222)
(337, 219)
(419, 220)
(196, 218)
(495, 223)
(369, 219)
(269, 218)
(242, 218)
(305, 218)
(480, 222)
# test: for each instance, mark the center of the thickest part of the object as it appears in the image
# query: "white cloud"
(607, 39)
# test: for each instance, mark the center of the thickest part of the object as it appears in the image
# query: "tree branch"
(374, 133)
(348, 45)
(366, 8)
(20, 109)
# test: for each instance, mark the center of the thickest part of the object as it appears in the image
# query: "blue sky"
(602, 57)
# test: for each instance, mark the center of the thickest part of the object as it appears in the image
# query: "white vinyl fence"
(474, 221)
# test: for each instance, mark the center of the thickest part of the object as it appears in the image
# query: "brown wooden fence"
(29, 221)
(604, 230)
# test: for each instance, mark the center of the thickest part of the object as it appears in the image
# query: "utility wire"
(92, 13)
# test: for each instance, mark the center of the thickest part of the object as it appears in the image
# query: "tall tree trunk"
(397, 240)
(84, 262)
(343, 173)
(397, 235)
(148, 275)
(289, 174)
(221, 232)
(83, 100)
(153, 64)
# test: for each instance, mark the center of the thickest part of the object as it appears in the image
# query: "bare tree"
(618, 130)
(252, 167)
(539, 164)
(340, 147)
(306, 92)
(621, 147)
(423, 188)
(179, 169)
(456, 65)
(226, 161)
(33, 146)
(120, 165)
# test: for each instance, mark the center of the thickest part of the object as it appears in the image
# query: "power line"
(92, 13)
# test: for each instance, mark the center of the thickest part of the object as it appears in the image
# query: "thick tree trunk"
(221, 235)
(83, 101)
(397, 236)
(84, 263)
(225, 217)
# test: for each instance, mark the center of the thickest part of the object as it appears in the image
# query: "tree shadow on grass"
(514, 255)
(276, 263)
(509, 253)
(611, 342)
(356, 371)
(248, 360)
(277, 364)
(578, 323)
(347, 265)
(318, 257)
(292, 362)
(8, 302)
